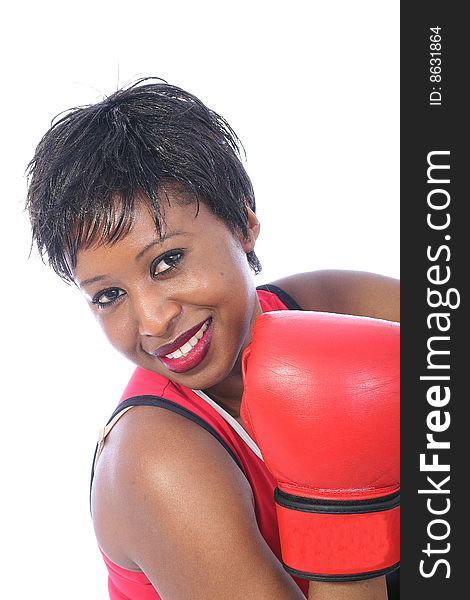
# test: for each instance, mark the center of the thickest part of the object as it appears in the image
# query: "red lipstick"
(188, 350)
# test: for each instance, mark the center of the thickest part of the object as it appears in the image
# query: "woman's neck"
(228, 394)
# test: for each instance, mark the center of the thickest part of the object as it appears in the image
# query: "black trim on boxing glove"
(342, 578)
(336, 506)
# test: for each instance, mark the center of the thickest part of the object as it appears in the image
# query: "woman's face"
(181, 303)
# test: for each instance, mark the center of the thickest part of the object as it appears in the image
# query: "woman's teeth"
(189, 345)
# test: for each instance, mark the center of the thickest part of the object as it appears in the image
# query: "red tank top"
(146, 387)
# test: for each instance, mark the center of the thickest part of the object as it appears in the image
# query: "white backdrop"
(311, 88)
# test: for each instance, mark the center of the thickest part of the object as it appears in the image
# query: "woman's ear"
(248, 242)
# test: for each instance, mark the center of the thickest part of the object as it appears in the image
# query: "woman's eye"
(107, 297)
(165, 263)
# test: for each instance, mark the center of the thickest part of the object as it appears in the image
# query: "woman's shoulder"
(345, 292)
(169, 500)
(152, 459)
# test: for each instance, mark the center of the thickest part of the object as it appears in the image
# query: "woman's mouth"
(187, 351)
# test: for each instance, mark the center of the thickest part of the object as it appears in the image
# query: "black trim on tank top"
(283, 296)
(159, 402)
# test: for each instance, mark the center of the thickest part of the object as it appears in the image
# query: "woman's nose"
(155, 314)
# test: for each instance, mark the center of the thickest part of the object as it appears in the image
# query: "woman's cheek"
(119, 332)
(202, 288)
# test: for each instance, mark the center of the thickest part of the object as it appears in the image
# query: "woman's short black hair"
(95, 162)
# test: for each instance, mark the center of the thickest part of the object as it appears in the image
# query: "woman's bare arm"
(345, 292)
(370, 589)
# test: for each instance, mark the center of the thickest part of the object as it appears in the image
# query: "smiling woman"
(143, 202)
(153, 292)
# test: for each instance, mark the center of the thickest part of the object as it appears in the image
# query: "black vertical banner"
(435, 261)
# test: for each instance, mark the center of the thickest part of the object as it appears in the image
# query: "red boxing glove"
(321, 399)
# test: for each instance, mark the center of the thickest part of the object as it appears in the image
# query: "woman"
(142, 201)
